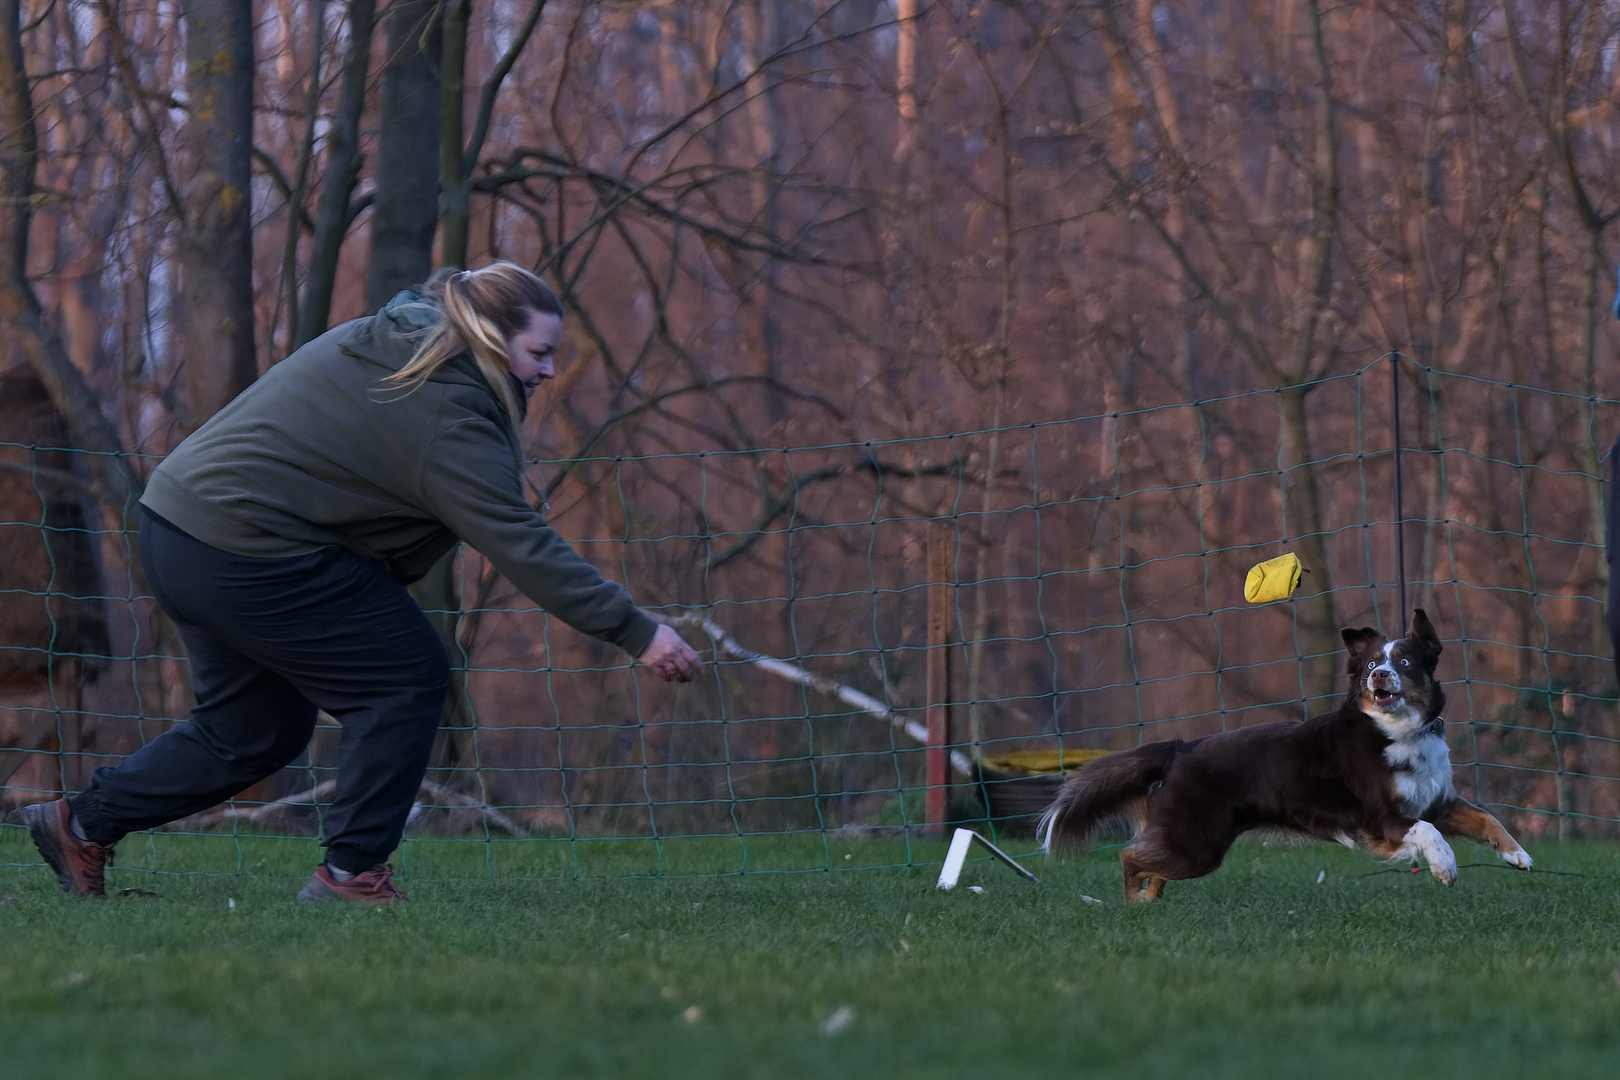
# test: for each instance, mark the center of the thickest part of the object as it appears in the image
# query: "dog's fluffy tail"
(1102, 789)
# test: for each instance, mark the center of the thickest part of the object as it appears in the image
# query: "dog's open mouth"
(1382, 698)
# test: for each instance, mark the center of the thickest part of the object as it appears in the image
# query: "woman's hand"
(670, 657)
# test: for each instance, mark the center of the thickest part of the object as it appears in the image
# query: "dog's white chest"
(1422, 769)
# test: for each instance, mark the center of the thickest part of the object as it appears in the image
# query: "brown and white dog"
(1373, 774)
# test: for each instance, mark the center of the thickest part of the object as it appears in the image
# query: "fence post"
(939, 679)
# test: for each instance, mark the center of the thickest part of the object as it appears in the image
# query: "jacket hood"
(390, 338)
(411, 312)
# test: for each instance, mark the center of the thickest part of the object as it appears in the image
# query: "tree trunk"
(300, 180)
(406, 207)
(342, 170)
(215, 302)
(905, 83)
(455, 202)
(404, 216)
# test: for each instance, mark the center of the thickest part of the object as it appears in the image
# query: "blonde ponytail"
(483, 309)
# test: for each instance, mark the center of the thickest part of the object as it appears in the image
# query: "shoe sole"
(50, 848)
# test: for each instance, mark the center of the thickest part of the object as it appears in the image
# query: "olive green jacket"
(320, 451)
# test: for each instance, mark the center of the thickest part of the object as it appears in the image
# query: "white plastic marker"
(956, 857)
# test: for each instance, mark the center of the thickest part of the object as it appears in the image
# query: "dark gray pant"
(270, 641)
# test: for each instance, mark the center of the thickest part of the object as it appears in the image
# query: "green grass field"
(1257, 971)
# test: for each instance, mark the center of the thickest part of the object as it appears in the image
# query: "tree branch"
(492, 86)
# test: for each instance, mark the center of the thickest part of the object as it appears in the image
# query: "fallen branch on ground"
(490, 814)
(322, 792)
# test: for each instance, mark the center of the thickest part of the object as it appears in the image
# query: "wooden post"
(938, 677)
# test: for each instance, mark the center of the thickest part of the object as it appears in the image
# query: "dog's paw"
(1443, 864)
(1518, 857)
(1424, 839)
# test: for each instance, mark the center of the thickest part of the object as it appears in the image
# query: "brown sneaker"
(374, 886)
(80, 865)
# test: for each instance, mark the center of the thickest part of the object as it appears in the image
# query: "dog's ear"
(1422, 634)
(1358, 641)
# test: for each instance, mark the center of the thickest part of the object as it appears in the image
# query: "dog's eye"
(1405, 662)
(1371, 664)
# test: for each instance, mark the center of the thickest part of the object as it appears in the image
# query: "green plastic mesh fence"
(1094, 573)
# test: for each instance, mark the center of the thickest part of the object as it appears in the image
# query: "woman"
(280, 537)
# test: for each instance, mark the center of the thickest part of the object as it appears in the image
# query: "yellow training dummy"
(1274, 579)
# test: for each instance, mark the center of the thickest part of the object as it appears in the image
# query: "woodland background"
(1104, 292)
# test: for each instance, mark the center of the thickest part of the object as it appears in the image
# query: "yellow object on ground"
(1274, 579)
(1039, 762)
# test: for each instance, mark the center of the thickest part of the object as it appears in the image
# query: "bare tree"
(1111, 289)
(458, 157)
(336, 209)
(29, 330)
